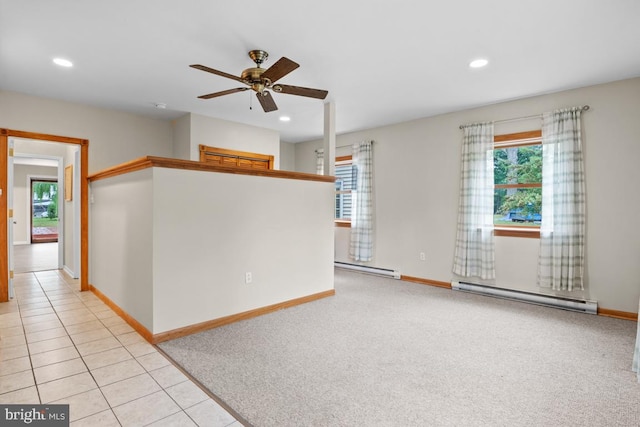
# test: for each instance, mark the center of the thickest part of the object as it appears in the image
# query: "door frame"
(5, 273)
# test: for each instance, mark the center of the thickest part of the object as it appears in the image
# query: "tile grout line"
(63, 285)
(33, 370)
(82, 357)
(64, 326)
(146, 371)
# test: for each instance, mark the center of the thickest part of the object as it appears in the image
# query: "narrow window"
(518, 184)
(345, 181)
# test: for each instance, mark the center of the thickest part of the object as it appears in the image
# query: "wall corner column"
(329, 142)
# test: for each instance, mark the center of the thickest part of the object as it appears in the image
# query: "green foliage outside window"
(518, 165)
(47, 190)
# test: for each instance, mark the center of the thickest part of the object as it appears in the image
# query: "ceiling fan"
(261, 80)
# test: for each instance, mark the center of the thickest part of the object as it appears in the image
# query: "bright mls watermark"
(34, 415)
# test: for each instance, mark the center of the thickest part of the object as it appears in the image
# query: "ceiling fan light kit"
(261, 80)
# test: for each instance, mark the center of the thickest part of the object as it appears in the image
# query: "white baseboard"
(366, 269)
(69, 272)
(565, 303)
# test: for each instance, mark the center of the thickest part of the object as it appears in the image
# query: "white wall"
(206, 238)
(417, 168)
(231, 135)
(287, 156)
(182, 138)
(114, 137)
(171, 247)
(72, 213)
(122, 240)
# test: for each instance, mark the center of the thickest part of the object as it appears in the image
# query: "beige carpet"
(388, 353)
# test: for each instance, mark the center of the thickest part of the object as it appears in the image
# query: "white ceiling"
(382, 62)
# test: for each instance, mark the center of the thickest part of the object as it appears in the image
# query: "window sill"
(342, 223)
(528, 232)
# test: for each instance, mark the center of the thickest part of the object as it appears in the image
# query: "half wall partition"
(180, 246)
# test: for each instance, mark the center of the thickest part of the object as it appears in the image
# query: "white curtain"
(361, 245)
(320, 162)
(562, 231)
(474, 253)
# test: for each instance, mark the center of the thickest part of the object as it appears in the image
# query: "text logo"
(35, 415)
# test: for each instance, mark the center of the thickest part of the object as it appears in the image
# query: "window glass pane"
(345, 181)
(518, 165)
(517, 206)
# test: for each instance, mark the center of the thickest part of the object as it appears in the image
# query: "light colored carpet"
(383, 352)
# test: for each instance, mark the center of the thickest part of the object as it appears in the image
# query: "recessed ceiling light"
(478, 63)
(62, 62)
(285, 118)
(160, 105)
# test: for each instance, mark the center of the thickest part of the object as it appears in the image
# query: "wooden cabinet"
(240, 159)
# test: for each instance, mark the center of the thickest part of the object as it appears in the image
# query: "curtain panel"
(562, 231)
(361, 242)
(474, 252)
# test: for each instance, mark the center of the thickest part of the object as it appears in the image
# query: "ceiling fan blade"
(217, 72)
(281, 68)
(301, 91)
(224, 92)
(267, 102)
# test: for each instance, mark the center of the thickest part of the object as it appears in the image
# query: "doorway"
(38, 233)
(7, 212)
(44, 210)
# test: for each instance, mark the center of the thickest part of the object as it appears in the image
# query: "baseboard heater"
(565, 303)
(370, 270)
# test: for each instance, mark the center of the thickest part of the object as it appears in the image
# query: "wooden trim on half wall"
(5, 134)
(163, 162)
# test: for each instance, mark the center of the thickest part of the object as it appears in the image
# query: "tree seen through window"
(518, 184)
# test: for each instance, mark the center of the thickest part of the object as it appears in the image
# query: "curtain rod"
(318, 150)
(535, 116)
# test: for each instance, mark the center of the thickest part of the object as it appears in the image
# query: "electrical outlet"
(248, 278)
(423, 257)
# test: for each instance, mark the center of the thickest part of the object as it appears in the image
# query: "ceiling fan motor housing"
(253, 77)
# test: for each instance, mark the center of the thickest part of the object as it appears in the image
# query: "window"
(234, 158)
(345, 182)
(517, 161)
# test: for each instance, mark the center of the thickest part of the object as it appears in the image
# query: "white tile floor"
(59, 345)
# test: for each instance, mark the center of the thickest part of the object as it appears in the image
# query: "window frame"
(340, 161)
(518, 139)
